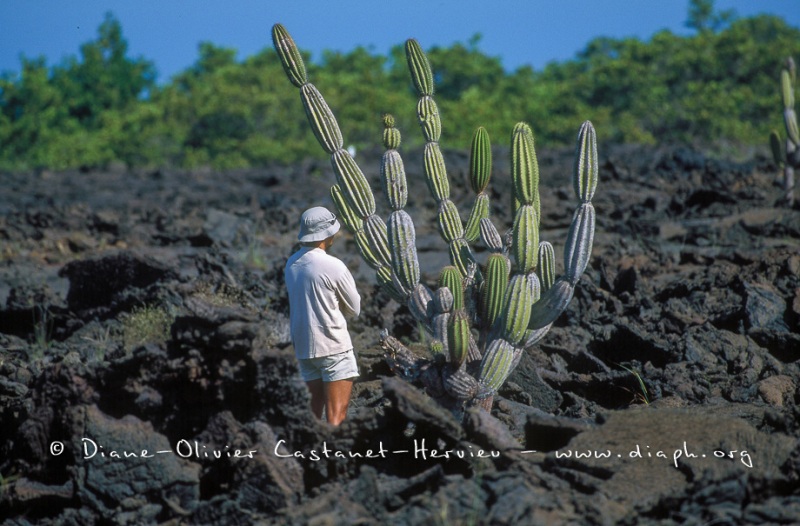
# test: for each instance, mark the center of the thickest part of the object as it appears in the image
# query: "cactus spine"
(517, 303)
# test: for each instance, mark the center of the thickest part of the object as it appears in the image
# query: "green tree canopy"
(718, 86)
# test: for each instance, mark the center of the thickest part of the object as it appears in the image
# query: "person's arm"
(349, 299)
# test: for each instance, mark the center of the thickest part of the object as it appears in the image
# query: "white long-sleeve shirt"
(321, 292)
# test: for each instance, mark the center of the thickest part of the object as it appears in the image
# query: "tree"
(702, 17)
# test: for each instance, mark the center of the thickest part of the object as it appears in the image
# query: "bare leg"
(317, 390)
(337, 398)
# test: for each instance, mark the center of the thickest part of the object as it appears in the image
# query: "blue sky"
(532, 32)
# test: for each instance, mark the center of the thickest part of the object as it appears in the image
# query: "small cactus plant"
(787, 152)
(480, 318)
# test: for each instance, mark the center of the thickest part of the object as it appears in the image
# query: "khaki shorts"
(331, 368)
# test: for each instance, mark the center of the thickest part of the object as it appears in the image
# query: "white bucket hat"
(316, 224)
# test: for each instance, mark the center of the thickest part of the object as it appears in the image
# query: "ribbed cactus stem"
(496, 364)
(429, 118)
(458, 336)
(585, 176)
(787, 90)
(461, 255)
(524, 166)
(323, 123)
(402, 243)
(491, 237)
(435, 172)
(367, 252)
(442, 306)
(522, 292)
(394, 179)
(579, 242)
(551, 304)
(480, 160)
(496, 275)
(546, 267)
(776, 145)
(387, 282)
(450, 226)
(420, 303)
(451, 279)
(290, 57)
(459, 384)
(391, 135)
(393, 173)
(789, 116)
(480, 172)
(353, 183)
(378, 239)
(788, 157)
(525, 245)
(420, 68)
(349, 218)
(479, 212)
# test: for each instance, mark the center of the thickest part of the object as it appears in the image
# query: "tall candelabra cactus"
(480, 318)
(787, 153)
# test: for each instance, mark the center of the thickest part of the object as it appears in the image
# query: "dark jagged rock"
(693, 289)
(97, 283)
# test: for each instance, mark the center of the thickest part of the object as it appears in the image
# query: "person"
(322, 292)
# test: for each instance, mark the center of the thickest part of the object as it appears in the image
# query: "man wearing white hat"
(321, 292)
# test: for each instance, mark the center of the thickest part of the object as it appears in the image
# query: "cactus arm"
(788, 183)
(321, 118)
(450, 225)
(581, 234)
(459, 384)
(789, 158)
(393, 172)
(349, 218)
(532, 337)
(480, 160)
(551, 304)
(495, 283)
(525, 241)
(404, 250)
(586, 168)
(491, 237)
(525, 167)
(790, 120)
(401, 234)
(442, 307)
(525, 178)
(458, 337)
(353, 183)
(579, 242)
(522, 293)
(546, 266)
(480, 168)
(420, 303)
(496, 364)
(776, 145)
(451, 278)
(420, 68)
(480, 211)
(290, 57)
